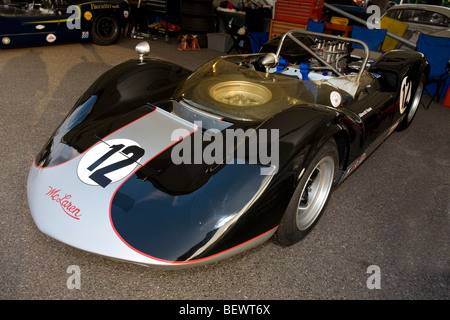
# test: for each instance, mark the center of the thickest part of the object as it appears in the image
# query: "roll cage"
(256, 86)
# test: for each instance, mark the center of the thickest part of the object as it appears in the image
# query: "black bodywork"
(60, 21)
(204, 193)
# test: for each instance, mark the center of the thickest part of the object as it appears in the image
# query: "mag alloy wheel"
(315, 193)
(310, 196)
(415, 102)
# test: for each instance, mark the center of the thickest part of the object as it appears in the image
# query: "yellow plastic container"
(339, 20)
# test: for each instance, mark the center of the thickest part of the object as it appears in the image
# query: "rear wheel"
(310, 197)
(414, 103)
(105, 30)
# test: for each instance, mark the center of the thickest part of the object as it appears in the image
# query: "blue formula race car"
(58, 21)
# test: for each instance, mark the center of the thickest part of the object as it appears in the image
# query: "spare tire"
(237, 96)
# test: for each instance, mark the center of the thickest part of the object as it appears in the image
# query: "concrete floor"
(393, 212)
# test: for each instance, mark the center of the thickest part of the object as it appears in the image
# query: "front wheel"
(310, 196)
(105, 30)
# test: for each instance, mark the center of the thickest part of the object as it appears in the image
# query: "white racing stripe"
(77, 213)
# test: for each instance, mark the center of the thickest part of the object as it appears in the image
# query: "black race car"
(57, 21)
(162, 166)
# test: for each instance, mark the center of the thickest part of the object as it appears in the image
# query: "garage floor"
(393, 212)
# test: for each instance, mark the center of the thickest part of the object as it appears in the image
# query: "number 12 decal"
(109, 162)
(405, 94)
